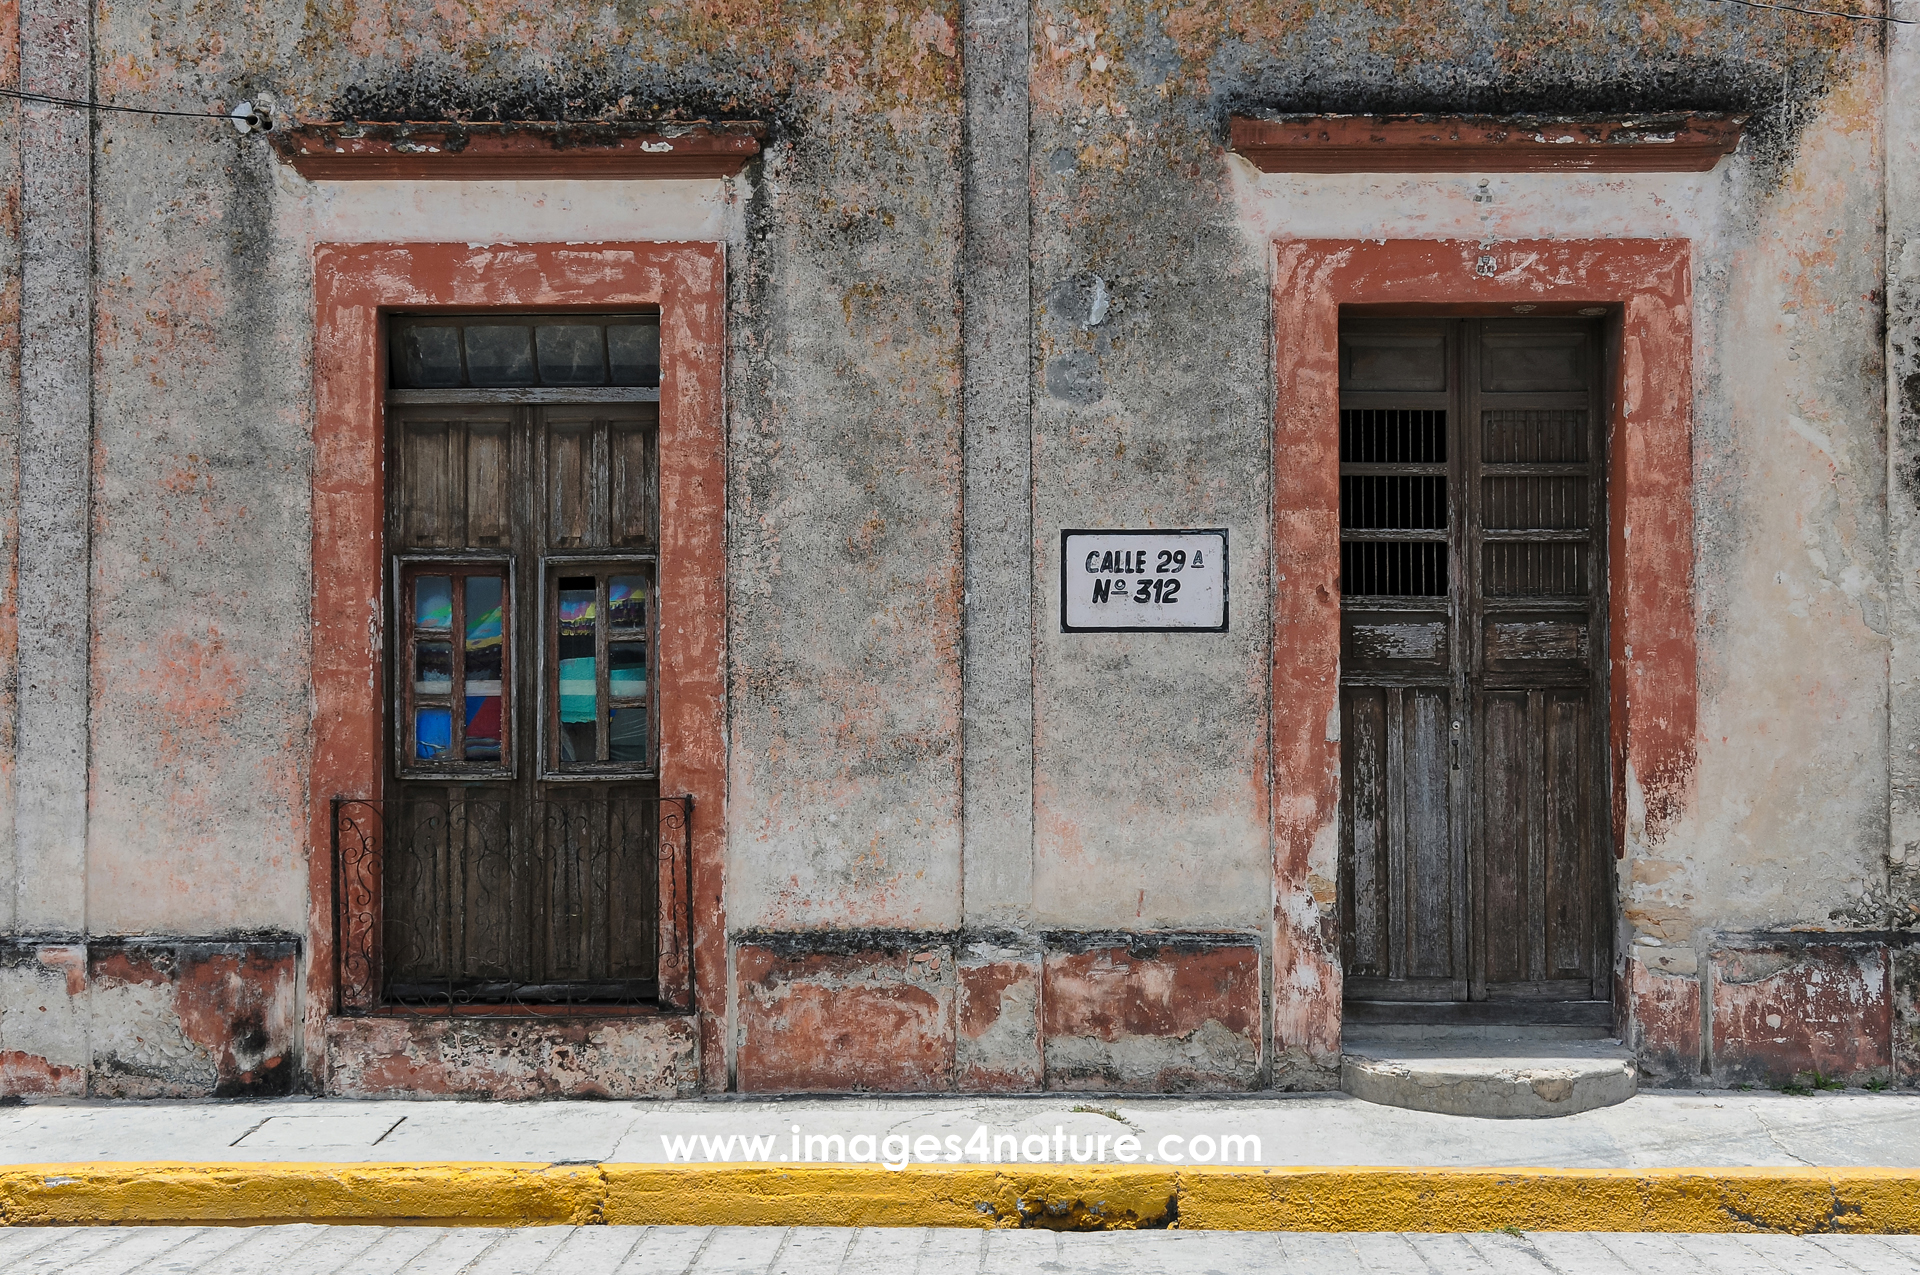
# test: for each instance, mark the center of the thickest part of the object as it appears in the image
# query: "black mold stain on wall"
(1387, 57)
(441, 93)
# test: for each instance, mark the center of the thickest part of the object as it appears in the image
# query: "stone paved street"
(604, 1250)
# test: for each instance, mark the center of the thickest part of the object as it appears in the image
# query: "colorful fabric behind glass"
(627, 735)
(627, 720)
(432, 665)
(433, 668)
(433, 602)
(485, 634)
(578, 693)
(432, 733)
(485, 658)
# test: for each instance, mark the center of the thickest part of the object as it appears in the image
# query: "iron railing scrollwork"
(471, 899)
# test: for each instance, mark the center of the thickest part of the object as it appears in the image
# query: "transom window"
(517, 351)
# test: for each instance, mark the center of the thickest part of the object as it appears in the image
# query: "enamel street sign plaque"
(1124, 581)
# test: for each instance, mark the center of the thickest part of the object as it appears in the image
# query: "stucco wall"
(1149, 375)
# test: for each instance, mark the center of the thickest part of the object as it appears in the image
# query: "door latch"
(1456, 745)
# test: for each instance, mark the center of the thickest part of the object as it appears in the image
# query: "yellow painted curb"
(1793, 1200)
(1110, 1197)
(440, 1194)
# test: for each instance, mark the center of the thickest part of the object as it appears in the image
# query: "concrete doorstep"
(1708, 1162)
(1495, 1072)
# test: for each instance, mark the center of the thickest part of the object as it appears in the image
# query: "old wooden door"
(521, 856)
(1472, 693)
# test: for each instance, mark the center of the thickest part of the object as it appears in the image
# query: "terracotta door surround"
(1642, 291)
(354, 285)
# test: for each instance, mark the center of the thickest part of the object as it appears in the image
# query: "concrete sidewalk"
(1654, 1130)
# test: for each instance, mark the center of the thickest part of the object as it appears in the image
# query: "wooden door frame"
(1645, 289)
(354, 286)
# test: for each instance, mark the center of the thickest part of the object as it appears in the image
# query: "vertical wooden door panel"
(630, 443)
(1503, 825)
(1428, 887)
(1567, 830)
(485, 834)
(1363, 733)
(633, 940)
(427, 482)
(489, 505)
(570, 485)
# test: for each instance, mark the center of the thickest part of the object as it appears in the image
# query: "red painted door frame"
(353, 285)
(1645, 286)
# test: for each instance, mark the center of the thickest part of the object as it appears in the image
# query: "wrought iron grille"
(481, 900)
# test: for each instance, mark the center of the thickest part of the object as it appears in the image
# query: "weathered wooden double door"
(1472, 698)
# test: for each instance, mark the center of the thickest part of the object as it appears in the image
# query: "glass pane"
(484, 635)
(433, 602)
(432, 733)
(627, 670)
(499, 355)
(577, 689)
(578, 694)
(570, 355)
(634, 351)
(576, 616)
(433, 668)
(423, 357)
(577, 742)
(483, 726)
(627, 601)
(627, 735)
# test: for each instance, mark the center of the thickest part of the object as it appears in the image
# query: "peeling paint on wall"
(138, 1018)
(1178, 782)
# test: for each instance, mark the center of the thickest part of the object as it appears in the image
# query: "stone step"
(1498, 1072)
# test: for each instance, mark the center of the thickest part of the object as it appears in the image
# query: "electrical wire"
(1824, 13)
(49, 99)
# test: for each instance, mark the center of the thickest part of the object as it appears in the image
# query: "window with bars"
(1393, 502)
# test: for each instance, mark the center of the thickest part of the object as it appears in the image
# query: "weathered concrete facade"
(994, 272)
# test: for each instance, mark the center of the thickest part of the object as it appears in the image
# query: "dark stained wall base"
(1167, 1015)
(149, 1017)
(997, 1042)
(1784, 1012)
(873, 1017)
(1664, 1016)
(884, 1012)
(895, 1012)
(510, 1058)
(1777, 1009)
